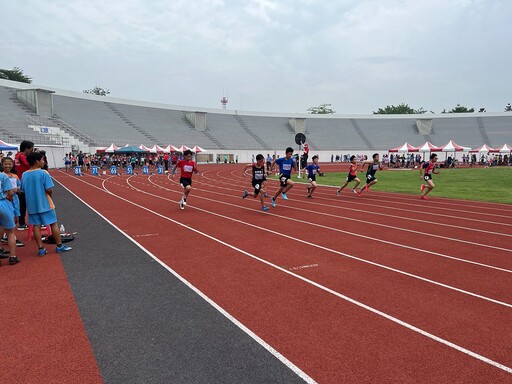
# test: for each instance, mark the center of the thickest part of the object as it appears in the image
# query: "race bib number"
(188, 168)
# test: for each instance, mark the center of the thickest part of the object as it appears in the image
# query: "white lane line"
(309, 243)
(366, 211)
(328, 290)
(228, 316)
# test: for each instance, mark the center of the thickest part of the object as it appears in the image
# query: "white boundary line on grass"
(328, 290)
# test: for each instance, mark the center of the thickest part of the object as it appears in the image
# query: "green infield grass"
(483, 184)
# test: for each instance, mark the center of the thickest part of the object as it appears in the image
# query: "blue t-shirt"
(285, 165)
(312, 169)
(5, 184)
(35, 183)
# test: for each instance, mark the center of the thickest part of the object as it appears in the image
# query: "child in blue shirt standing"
(7, 216)
(37, 185)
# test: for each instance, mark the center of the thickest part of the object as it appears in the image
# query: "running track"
(382, 288)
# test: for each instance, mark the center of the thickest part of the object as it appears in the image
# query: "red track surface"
(348, 289)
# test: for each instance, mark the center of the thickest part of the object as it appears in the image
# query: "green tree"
(508, 108)
(401, 109)
(460, 109)
(15, 74)
(322, 109)
(97, 91)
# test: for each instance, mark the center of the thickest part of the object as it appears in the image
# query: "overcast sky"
(269, 56)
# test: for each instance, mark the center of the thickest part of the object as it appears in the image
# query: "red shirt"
(21, 164)
(353, 170)
(187, 168)
(428, 167)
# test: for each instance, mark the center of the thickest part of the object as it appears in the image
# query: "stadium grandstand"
(77, 121)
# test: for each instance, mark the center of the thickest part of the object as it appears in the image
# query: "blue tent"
(7, 147)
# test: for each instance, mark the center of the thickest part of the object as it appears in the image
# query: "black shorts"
(283, 179)
(257, 185)
(185, 181)
(351, 178)
(312, 178)
(370, 178)
(427, 177)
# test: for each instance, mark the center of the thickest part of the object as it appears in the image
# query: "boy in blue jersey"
(37, 185)
(286, 164)
(312, 170)
(7, 216)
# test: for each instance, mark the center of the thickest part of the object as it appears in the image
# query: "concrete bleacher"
(463, 130)
(168, 125)
(95, 119)
(107, 119)
(14, 124)
(385, 133)
(275, 131)
(499, 130)
(227, 130)
(333, 133)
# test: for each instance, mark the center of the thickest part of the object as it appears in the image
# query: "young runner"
(352, 176)
(373, 166)
(286, 164)
(187, 168)
(259, 180)
(426, 171)
(312, 169)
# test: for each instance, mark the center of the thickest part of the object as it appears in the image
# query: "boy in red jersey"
(187, 167)
(426, 171)
(352, 176)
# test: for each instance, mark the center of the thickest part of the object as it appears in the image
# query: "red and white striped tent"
(160, 149)
(112, 148)
(428, 147)
(198, 149)
(183, 148)
(144, 148)
(172, 148)
(452, 146)
(505, 148)
(406, 147)
(483, 149)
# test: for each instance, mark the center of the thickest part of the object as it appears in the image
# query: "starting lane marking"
(302, 267)
(306, 280)
(145, 235)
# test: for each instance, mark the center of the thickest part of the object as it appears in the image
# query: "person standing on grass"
(286, 164)
(373, 166)
(187, 168)
(352, 176)
(312, 169)
(7, 217)
(426, 171)
(37, 186)
(259, 181)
